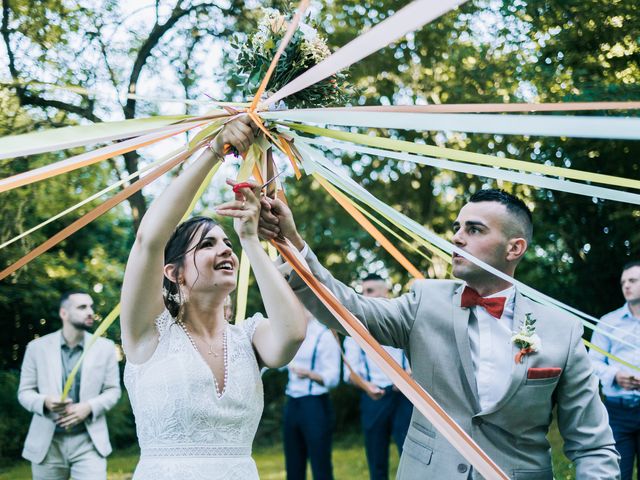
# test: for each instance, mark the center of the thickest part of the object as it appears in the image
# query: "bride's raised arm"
(141, 298)
(279, 336)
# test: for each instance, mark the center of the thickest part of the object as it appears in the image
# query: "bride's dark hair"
(174, 252)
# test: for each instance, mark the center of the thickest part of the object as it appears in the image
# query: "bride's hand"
(238, 133)
(245, 209)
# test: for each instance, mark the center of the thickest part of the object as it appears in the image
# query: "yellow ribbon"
(469, 157)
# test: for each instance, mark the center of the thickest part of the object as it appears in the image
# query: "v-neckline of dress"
(219, 394)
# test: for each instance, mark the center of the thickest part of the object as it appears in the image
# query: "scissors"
(238, 186)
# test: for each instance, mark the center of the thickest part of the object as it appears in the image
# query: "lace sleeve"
(250, 324)
(163, 322)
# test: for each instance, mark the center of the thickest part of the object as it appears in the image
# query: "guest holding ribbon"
(620, 384)
(68, 438)
(497, 362)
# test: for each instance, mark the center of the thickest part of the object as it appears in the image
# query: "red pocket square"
(543, 372)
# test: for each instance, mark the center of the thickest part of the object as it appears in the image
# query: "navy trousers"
(383, 419)
(308, 423)
(625, 424)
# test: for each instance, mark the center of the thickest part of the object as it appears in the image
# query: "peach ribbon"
(95, 156)
(96, 212)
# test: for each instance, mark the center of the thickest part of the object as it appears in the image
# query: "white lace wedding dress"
(186, 428)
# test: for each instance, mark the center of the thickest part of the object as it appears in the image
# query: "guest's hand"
(238, 133)
(373, 391)
(245, 210)
(53, 404)
(276, 221)
(75, 414)
(300, 372)
(627, 381)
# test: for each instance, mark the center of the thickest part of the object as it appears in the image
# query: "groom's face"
(479, 229)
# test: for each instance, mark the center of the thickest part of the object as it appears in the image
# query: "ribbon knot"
(493, 305)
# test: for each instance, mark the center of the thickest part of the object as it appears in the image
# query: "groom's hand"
(276, 221)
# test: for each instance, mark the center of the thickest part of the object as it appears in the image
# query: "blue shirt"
(320, 353)
(622, 324)
(367, 368)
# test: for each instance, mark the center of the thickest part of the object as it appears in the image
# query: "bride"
(193, 379)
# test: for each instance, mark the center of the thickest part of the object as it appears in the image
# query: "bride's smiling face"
(210, 263)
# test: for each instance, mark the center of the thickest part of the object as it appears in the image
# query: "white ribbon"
(489, 172)
(405, 20)
(536, 125)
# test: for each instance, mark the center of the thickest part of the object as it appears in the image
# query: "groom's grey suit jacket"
(432, 328)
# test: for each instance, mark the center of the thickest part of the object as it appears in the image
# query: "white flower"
(308, 32)
(527, 341)
(316, 48)
(526, 337)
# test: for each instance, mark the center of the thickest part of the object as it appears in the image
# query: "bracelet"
(214, 151)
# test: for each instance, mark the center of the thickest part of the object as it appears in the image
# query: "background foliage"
(487, 51)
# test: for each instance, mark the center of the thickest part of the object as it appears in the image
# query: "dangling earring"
(172, 297)
(183, 296)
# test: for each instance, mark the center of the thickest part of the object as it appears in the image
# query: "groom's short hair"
(522, 224)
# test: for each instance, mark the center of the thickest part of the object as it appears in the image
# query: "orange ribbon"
(96, 212)
(523, 351)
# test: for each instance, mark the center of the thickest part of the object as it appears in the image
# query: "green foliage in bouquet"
(305, 50)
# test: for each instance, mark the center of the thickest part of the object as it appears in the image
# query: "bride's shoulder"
(163, 322)
(248, 326)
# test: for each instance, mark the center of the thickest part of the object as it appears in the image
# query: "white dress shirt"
(320, 353)
(492, 350)
(365, 367)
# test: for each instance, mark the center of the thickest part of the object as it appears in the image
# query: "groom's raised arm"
(388, 320)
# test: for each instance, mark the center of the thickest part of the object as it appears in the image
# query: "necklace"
(210, 352)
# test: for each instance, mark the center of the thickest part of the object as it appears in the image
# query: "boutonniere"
(526, 339)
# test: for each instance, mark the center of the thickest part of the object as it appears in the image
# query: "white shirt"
(492, 350)
(320, 353)
(365, 367)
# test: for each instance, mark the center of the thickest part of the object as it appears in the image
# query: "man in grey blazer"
(458, 338)
(69, 439)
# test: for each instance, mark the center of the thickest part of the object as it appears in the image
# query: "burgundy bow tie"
(493, 305)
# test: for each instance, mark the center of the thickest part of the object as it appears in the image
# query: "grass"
(349, 462)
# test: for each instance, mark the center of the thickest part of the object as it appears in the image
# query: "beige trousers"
(71, 456)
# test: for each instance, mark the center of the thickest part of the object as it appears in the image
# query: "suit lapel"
(461, 329)
(55, 361)
(517, 373)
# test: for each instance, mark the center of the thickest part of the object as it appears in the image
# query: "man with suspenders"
(308, 414)
(385, 412)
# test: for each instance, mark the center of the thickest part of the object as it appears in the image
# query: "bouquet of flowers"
(306, 49)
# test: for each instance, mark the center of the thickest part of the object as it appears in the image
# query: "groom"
(457, 335)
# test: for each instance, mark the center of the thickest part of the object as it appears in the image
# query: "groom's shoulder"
(562, 320)
(436, 286)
